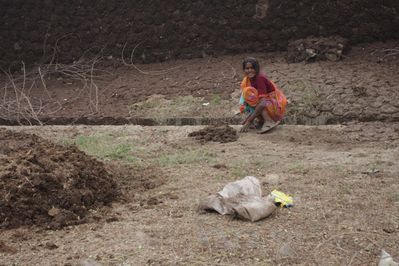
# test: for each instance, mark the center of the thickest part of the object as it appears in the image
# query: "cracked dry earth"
(364, 86)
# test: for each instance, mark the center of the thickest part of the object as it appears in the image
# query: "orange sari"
(276, 100)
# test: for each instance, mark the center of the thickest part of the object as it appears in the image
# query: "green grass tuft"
(105, 147)
(185, 157)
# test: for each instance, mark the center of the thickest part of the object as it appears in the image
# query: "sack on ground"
(242, 198)
(254, 208)
(249, 186)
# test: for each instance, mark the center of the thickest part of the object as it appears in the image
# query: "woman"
(261, 98)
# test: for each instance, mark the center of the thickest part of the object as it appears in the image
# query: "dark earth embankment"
(35, 31)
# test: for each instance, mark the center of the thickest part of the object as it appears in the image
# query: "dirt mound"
(313, 49)
(48, 185)
(221, 134)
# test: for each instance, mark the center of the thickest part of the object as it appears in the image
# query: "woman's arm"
(258, 110)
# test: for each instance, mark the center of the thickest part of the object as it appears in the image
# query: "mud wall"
(37, 31)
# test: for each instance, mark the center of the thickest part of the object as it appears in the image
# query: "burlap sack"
(248, 186)
(242, 198)
(254, 208)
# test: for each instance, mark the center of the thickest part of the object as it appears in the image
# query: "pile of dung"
(221, 134)
(49, 185)
(314, 49)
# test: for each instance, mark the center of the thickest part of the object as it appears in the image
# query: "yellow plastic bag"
(281, 199)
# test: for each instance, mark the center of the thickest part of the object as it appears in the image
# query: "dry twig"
(20, 105)
(154, 73)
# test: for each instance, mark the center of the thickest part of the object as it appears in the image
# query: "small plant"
(345, 189)
(394, 197)
(216, 99)
(306, 97)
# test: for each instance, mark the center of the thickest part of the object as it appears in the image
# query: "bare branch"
(153, 73)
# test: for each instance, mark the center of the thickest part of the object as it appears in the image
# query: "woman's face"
(249, 70)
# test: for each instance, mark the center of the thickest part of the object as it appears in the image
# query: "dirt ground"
(364, 86)
(343, 179)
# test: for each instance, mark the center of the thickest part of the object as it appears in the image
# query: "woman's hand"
(245, 127)
(245, 124)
